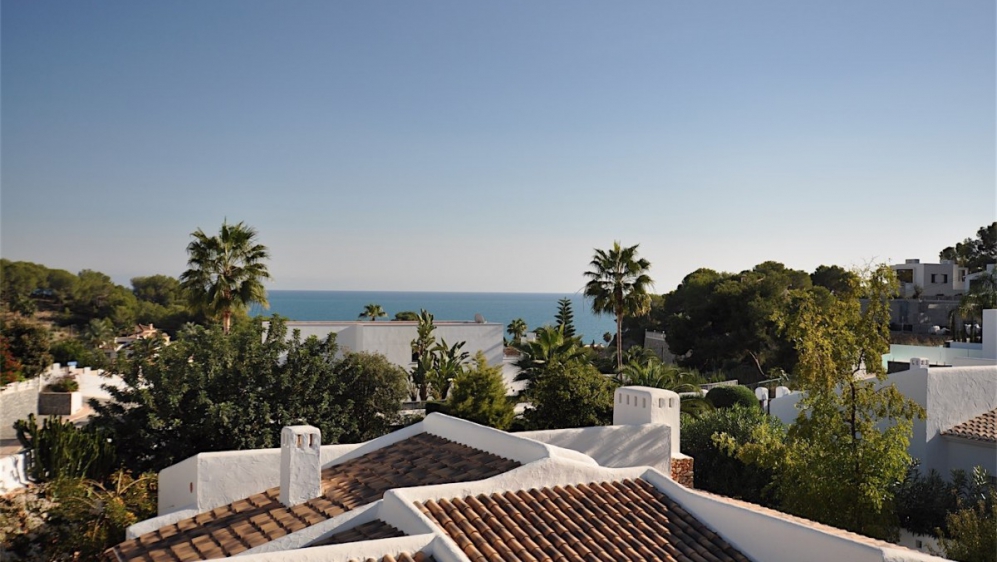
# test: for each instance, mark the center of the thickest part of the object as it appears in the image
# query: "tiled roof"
(403, 557)
(981, 428)
(367, 532)
(627, 520)
(228, 530)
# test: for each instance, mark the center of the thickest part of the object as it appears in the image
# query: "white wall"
(965, 454)
(12, 473)
(955, 395)
(614, 446)
(393, 339)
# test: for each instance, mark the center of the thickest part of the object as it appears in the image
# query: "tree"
(725, 321)
(28, 343)
(548, 352)
(717, 470)
(972, 531)
(729, 396)
(448, 364)
(852, 429)
(406, 315)
(479, 395)
(517, 329)
(11, 369)
(573, 395)
(372, 389)
(836, 279)
(565, 317)
(100, 334)
(422, 354)
(974, 253)
(373, 312)
(211, 391)
(981, 296)
(617, 284)
(159, 289)
(226, 272)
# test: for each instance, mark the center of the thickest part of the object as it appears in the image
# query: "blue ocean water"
(536, 309)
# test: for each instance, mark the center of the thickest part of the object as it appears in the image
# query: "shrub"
(61, 450)
(716, 470)
(574, 395)
(479, 395)
(64, 384)
(727, 396)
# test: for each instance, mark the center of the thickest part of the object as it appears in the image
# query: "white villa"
(934, 279)
(449, 490)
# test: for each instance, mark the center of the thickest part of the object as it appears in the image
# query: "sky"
(492, 146)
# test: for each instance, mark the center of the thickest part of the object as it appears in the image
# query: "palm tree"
(618, 284)
(226, 272)
(373, 311)
(548, 351)
(517, 329)
(981, 296)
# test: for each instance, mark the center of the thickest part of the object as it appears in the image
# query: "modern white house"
(449, 490)
(393, 339)
(933, 279)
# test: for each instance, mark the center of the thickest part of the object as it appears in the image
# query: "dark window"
(905, 275)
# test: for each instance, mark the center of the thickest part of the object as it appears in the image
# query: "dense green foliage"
(28, 343)
(422, 356)
(548, 352)
(839, 433)
(517, 329)
(372, 312)
(479, 395)
(974, 253)
(728, 396)
(372, 389)
(618, 284)
(574, 394)
(225, 272)
(717, 470)
(406, 315)
(209, 392)
(972, 531)
(59, 449)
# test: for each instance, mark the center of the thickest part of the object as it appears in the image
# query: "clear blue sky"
(490, 146)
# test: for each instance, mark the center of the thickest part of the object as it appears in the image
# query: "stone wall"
(682, 471)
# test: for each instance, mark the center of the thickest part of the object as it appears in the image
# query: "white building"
(393, 339)
(450, 490)
(934, 279)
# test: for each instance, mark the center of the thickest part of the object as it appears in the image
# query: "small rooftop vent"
(912, 261)
(479, 318)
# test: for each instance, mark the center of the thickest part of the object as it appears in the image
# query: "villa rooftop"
(981, 428)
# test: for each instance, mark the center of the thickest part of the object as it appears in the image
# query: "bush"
(727, 396)
(64, 384)
(61, 450)
(716, 470)
(575, 395)
(440, 407)
(479, 395)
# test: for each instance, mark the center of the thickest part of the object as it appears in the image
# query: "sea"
(536, 309)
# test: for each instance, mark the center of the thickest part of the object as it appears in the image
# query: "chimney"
(919, 363)
(300, 464)
(639, 405)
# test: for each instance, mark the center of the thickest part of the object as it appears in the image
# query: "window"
(905, 275)
(939, 278)
(919, 544)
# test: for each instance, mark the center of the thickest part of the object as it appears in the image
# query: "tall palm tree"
(373, 311)
(517, 329)
(226, 272)
(981, 296)
(550, 350)
(617, 284)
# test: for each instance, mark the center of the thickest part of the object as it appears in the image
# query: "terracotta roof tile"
(403, 557)
(628, 520)
(981, 428)
(368, 531)
(228, 530)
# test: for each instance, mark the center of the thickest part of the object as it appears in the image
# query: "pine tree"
(565, 317)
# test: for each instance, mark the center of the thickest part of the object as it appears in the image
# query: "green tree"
(372, 312)
(726, 321)
(209, 391)
(618, 284)
(981, 296)
(974, 253)
(448, 364)
(159, 289)
(565, 317)
(406, 315)
(719, 471)
(573, 395)
(372, 391)
(100, 334)
(852, 430)
(72, 349)
(548, 352)
(728, 396)
(479, 395)
(11, 369)
(422, 355)
(28, 343)
(517, 329)
(226, 272)
(836, 279)
(972, 531)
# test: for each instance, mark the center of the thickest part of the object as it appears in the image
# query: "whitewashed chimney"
(919, 363)
(300, 464)
(639, 405)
